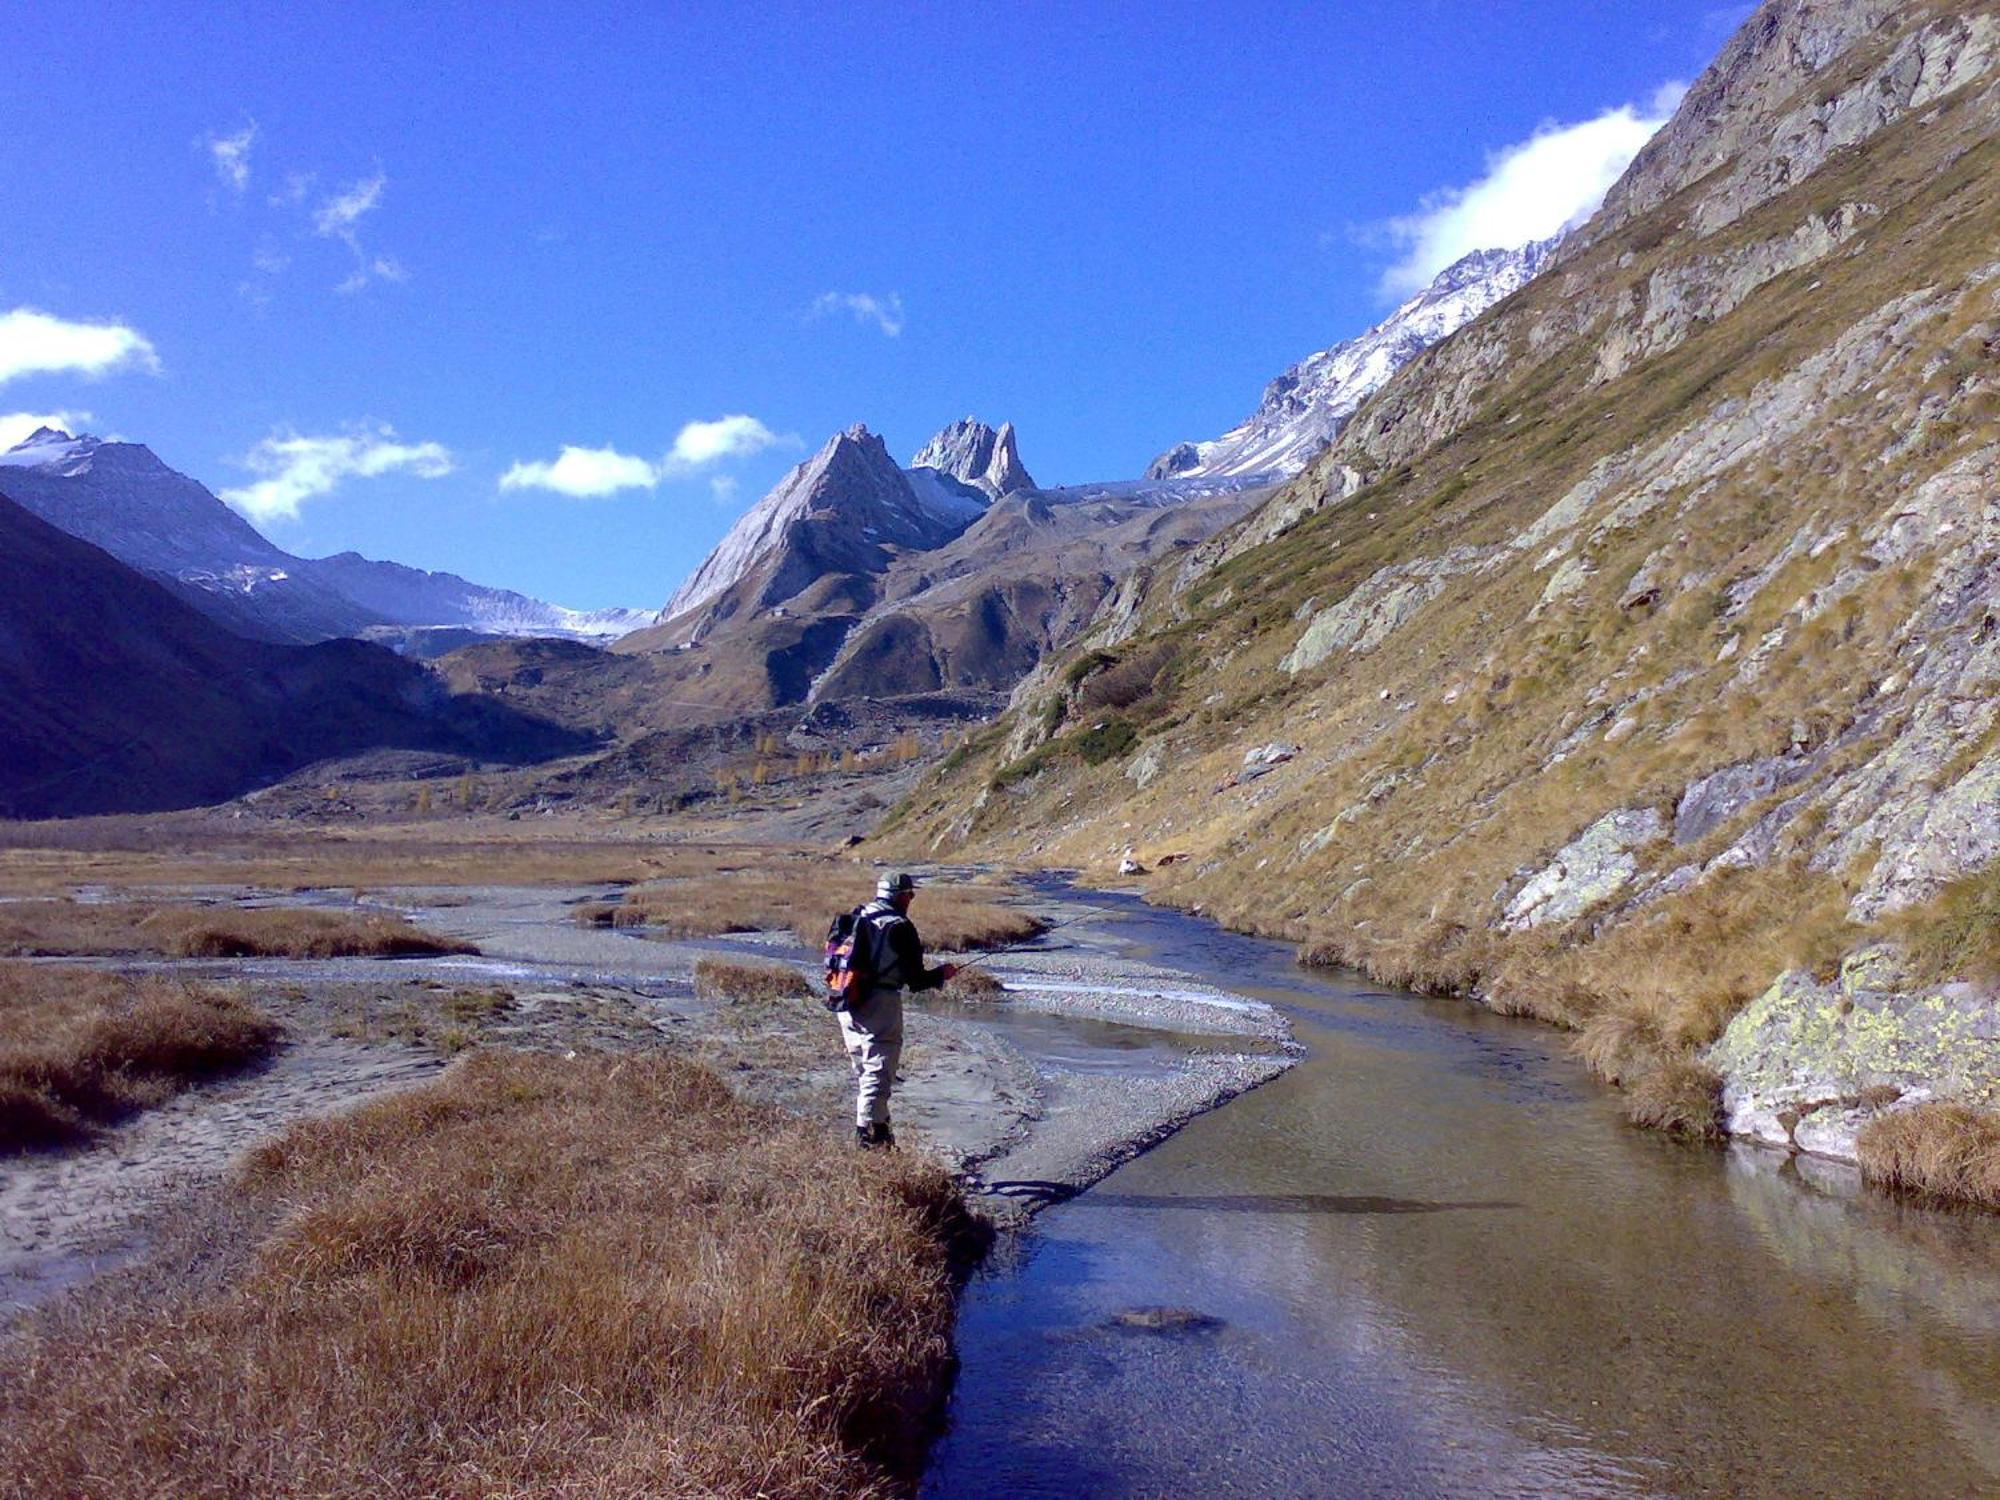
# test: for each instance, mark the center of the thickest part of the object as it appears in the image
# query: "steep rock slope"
(1639, 644)
(115, 696)
(846, 510)
(121, 497)
(1304, 409)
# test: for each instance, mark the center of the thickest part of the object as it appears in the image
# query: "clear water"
(1431, 1260)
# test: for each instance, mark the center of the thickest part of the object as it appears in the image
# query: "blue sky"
(358, 264)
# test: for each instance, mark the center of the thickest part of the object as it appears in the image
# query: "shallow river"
(1431, 1260)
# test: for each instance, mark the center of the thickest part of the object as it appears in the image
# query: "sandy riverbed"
(1091, 1057)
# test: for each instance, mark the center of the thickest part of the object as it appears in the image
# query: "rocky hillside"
(123, 498)
(129, 700)
(1304, 409)
(1633, 658)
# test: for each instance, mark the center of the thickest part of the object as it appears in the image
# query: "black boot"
(870, 1137)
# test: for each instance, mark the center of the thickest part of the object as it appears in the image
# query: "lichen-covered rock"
(1807, 1063)
(1380, 606)
(1145, 767)
(1595, 866)
(1265, 758)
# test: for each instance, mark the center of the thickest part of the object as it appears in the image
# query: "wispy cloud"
(34, 343)
(336, 216)
(722, 488)
(339, 218)
(1552, 181)
(298, 187)
(230, 155)
(17, 426)
(296, 468)
(592, 473)
(885, 312)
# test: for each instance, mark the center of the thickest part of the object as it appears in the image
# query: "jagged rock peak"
(973, 453)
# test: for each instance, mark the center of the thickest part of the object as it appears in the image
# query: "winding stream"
(1431, 1260)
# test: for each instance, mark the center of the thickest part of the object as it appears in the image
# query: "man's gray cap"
(894, 884)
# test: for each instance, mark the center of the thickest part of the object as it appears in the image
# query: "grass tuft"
(725, 979)
(287, 932)
(974, 984)
(82, 1050)
(1938, 1150)
(1682, 1095)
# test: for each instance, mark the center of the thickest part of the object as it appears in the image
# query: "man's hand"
(950, 972)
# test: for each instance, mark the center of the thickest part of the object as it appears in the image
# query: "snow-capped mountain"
(973, 453)
(1304, 409)
(123, 498)
(845, 510)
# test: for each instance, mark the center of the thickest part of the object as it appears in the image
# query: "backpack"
(850, 959)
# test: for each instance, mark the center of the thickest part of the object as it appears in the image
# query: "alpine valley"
(1611, 634)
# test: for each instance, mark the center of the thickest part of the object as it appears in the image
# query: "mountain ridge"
(124, 498)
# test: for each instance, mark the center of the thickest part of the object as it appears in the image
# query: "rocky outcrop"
(973, 453)
(1377, 609)
(1595, 866)
(1809, 1062)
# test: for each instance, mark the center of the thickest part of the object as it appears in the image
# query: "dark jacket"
(899, 950)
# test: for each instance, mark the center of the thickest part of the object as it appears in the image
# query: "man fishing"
(889, 958)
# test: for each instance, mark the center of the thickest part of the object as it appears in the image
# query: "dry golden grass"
(1955, 935)
(1682, 1096)
(805, 898)
(725, 979)
(974, 984)
(535, 1277)
(187, 849)
(180, 931)
(1940, 1150)
(79, 1049)
(287, 932)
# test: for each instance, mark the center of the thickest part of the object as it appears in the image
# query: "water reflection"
(1439, 1264)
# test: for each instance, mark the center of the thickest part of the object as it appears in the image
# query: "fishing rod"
(991, 954)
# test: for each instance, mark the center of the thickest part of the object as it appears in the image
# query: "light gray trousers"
(873, 1031)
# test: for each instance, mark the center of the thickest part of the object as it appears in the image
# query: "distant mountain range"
(125, 698)
(1304, 409)
(121, 497)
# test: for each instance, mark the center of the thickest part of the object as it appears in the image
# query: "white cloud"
(700, 444)
(885, 312)
(231, 156)
(590, 473)
(17, 426)
(296, 468)
(33, 343)
(1552, 181)
(584, 473)
(722, 488)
